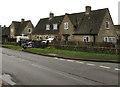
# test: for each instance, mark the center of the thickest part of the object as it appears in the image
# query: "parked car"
(50, 39)
(28, 45)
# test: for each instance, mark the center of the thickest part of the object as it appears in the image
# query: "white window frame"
(45, 37)
(66, 25)
(55, 26)
(110, 39)
(30, 30)
(85, 39)
(105, 39)
(47, 27)
(12, 30)
(107, 23)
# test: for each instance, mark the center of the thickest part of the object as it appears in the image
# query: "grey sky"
(14, 10)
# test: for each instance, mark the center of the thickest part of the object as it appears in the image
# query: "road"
(32, 69)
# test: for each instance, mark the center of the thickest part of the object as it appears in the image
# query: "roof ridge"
(84, 12)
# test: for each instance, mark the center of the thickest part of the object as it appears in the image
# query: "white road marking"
(90, 64)
(79, 62)
(61, 59)
(55, 58)
(70, 60)
(105, 67)
(117, 69)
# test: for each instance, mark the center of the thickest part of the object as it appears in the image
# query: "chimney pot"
(51, 15)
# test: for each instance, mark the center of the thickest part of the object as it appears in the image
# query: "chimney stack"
(22, 20)
(51, 15)
(4, 26)
(88, 9)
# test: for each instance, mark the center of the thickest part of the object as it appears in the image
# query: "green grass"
(13, 47)
(70, 53)
(111, 57)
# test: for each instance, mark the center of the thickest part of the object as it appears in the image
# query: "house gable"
(66, 22)
(108, 31)
(28, 29)
(19, 28)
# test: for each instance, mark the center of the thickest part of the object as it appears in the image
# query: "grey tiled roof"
(20, 26)
(83, 23)
(88, 23)
(41, 26)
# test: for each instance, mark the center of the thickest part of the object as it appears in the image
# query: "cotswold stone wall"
(108, 48)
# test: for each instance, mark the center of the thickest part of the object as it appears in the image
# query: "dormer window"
(47, 27)
(66, 25)
(107, 25)
(55, 26)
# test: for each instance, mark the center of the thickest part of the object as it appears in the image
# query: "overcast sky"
(14, 10)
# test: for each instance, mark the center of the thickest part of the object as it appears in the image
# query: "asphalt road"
(32, 69)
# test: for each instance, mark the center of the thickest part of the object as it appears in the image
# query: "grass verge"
(13, 47)
(98, 56)
(70, 53)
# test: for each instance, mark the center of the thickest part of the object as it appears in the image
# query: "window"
(66, 25)
(47, 27)
(109, 39)
(12, 30)
(41, 38)
(29, 30)
(45, 37)
(55, 26)
(37, 37)
(86, 39)
(107, 25)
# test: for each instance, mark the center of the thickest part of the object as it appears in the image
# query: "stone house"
(21, 29)
(47, 27)
(117, 28)
(0, 34)
(5, 33)
(88, 26)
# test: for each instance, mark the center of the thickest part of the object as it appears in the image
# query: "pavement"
(4, 84)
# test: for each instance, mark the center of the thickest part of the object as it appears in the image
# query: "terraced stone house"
(88, 26)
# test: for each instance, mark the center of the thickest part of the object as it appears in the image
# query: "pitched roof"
(20, 26)
(83, 23)
(87, 23)
(41, 26)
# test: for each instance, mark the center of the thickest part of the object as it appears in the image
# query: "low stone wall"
(107, 50)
